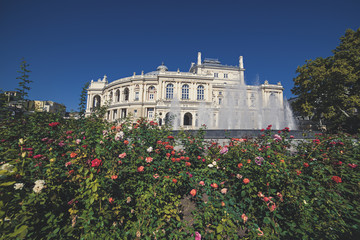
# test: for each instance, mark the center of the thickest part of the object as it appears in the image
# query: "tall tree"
(82, 104)
(24, 82)
(328, 89)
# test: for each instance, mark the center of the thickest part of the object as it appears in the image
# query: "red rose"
(214, 185)
(187, 164)
(111, 200)
(266, 199)
(246, 180)
(306, 165)
(193, 192)
(170, 137)
(96, 162)
(336, 179)
(240, 165)
(140, 169)
(126, 142)
(174, 180)
(54, 124)
(352, 165)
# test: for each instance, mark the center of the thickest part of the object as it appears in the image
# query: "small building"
(47, 106)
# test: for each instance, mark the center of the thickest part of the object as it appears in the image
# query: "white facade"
(159, 94)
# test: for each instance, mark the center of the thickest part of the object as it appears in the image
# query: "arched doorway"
(187, 119)
(169, 118)
(96, 101)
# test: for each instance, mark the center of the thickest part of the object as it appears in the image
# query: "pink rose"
(224, 190)
(122, 155)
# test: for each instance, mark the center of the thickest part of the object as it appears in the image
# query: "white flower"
(18, 186)
(214, 163)
(7, 167)
(149, 149)
(119, 135)
(40, 182)
(39, 185)
(210, 165)
(38, 188)
(305, 201)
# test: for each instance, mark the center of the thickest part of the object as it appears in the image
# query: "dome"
(162, 67)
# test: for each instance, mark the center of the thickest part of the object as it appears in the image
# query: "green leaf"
(7, 184)
(18, 231)
(219, 228)
(267, 220)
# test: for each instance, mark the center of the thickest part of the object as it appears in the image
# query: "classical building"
(206, 94)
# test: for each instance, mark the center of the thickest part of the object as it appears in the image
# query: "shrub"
(90, 179)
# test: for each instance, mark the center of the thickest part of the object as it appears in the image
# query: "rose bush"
(89, 179)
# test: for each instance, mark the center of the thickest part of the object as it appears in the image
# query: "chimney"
(199, 58)
(241, 62)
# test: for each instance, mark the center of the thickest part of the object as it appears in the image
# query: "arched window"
(169, 117)
(187, 119)
(170, 91)
(126, 94)
(117, 96)
(185, 92)
(96, 101)
(200, 92)
(151, 93)
(111, 97)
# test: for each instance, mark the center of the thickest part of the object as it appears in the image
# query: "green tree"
(24, 82)
(328, 89)
(82, 104)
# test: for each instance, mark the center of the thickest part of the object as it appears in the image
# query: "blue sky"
(68, 43)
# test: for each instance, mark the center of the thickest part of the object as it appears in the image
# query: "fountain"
(245, 107)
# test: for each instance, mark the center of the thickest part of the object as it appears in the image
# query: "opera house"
(210, 93)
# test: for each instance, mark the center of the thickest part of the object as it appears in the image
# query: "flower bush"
(89, 179)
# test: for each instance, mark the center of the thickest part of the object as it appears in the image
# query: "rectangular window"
(216, 75)
(200, 92)
(220, 101)
(170, 91)
(150, 113)
(151, 96)
(115, 115)
(123, 113)
(135, 113)
(136, 96)
(185, 92)
(225, 75)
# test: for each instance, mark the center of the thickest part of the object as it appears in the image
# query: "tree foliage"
(23, 87)
(24, 81)
(328, 89)
(82, 104)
